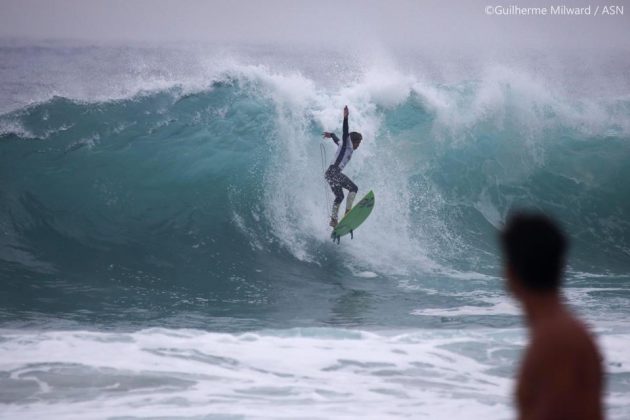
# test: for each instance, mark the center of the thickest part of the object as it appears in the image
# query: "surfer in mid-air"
(338, 182)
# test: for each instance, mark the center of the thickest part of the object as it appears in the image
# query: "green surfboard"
(354, 218)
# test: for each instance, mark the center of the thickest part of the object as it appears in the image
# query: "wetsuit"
(335, 178)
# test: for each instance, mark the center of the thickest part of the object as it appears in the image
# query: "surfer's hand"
(327, 135)
(345, 111)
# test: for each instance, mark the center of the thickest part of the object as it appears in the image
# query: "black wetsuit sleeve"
(335, 138)
(345, 128)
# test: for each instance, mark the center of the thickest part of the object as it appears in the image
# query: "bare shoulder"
(564, 332)
(566, 341)
(561, 374)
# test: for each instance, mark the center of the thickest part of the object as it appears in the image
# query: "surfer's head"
(356, 139)
(534, 250)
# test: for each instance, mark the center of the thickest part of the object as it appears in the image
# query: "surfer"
(561, 373)
(338, 181)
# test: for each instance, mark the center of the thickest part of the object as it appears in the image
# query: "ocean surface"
(164, 240)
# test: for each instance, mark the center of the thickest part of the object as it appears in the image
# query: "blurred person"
(561, 372)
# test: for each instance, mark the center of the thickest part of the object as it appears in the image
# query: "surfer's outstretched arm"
(332, 136)
(345, 123)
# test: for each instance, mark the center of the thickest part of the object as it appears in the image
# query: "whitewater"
(165, 252)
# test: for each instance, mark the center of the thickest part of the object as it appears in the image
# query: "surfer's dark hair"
(534, 248)
(355, 137)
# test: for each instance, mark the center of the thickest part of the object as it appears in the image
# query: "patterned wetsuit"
(335, 178)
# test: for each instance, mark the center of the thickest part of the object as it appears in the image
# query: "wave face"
(211, 194)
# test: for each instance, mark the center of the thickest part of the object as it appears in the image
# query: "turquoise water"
(165, 248)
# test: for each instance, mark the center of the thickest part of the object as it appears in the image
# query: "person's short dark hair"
(534, 247)
(356, 137)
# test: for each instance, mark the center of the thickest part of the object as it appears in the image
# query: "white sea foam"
(494, 303)
(335, 373)
(366, 274)
(500, 308)
(269, 374)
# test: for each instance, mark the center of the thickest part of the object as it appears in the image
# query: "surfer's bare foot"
(333, 222)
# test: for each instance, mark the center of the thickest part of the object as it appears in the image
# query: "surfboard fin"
(352, 234)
